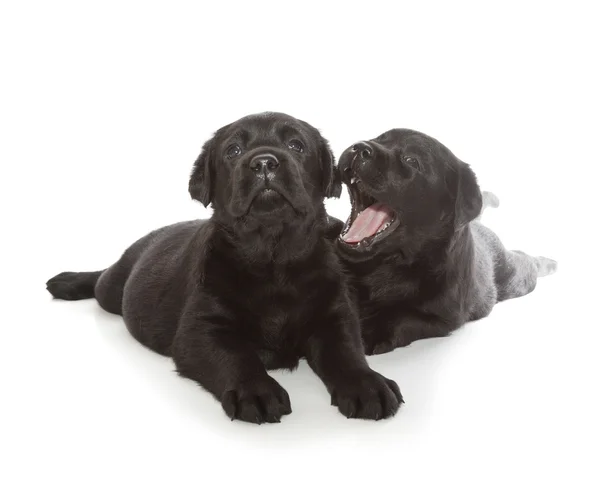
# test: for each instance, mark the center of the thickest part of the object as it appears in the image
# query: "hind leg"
(545, 266)
(518, 275)
(110, 285)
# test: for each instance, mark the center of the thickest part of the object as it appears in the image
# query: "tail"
(489, 200)
(73, 285)
(545, 266)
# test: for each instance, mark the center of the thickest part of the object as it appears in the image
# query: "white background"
(103, 110)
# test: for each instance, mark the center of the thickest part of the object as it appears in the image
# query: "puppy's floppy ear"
(201, 185)
(468, 197)
(332, 181)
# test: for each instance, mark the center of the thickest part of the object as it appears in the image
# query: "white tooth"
(353, 180)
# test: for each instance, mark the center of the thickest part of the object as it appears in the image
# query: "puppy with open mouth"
(258, 286)
(420, 262)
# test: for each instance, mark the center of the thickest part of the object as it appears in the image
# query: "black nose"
(363, 150)
(263, 163)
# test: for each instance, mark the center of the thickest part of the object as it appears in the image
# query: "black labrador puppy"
(422, 266)
(256, 287)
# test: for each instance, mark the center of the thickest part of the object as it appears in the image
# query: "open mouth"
(369, 221)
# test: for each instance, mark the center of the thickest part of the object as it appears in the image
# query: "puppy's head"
(265, 169)
(406, 188)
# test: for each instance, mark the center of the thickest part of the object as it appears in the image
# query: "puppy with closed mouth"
(258, 286)
(421, 264)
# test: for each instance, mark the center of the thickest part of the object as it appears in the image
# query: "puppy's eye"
(296, 145)
(412, 162)
(233, 151)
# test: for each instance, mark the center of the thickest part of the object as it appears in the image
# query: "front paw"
(367, 395)
(259, 401)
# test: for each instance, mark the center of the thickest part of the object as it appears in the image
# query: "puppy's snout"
(363, 150)
(264, 163)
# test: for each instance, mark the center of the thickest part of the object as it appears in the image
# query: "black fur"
(434, 267)
(257, 286)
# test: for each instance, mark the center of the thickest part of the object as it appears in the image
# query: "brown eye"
(233, 151)
(412, 162)
(296, 145)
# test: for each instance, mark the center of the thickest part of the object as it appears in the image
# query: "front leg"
(335, 353)
(210, 350)
(385, 332)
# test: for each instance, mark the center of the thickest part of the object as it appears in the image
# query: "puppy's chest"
(275, 325)
(390, 283)
(388, 286)
(277, 312)
(275, 305)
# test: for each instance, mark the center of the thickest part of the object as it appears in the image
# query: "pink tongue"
(368, 223)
